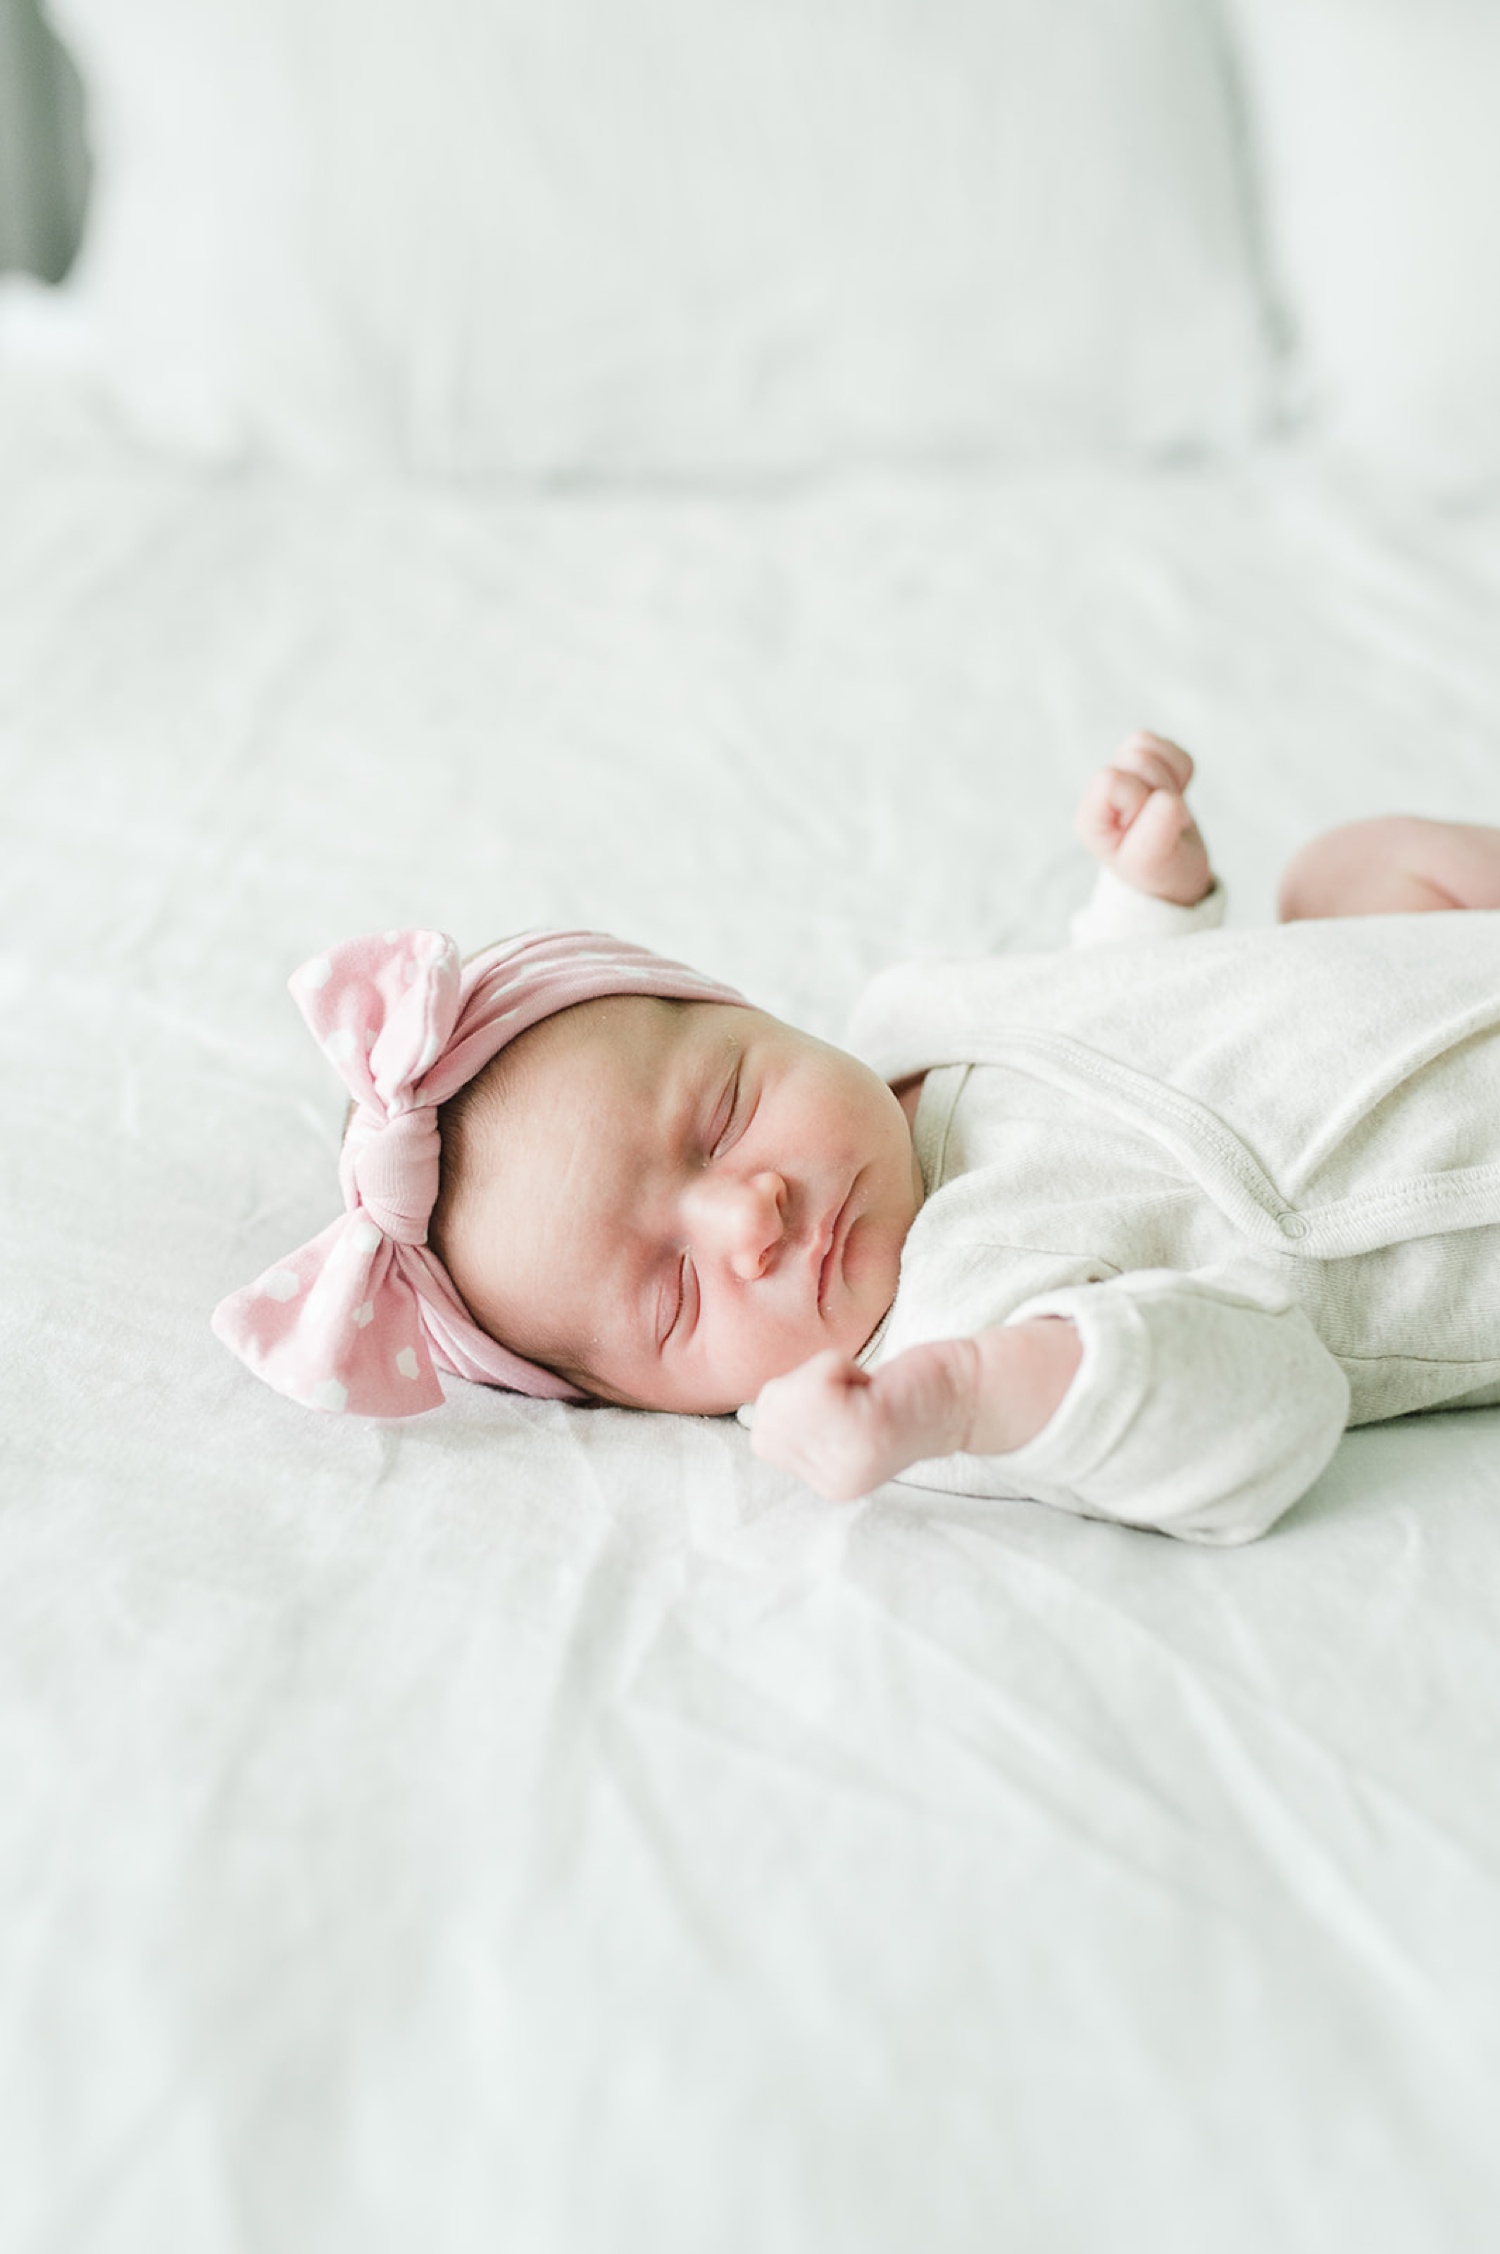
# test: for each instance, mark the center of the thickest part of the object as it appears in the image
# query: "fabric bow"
(364, 1316)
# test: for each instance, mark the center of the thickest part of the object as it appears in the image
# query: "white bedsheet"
(548, 1830)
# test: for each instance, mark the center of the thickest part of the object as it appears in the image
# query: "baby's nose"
(743, 1221)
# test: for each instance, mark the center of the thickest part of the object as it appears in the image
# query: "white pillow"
(1378, 124)
(667, 236)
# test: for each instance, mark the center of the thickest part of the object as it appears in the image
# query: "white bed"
(549, 1829)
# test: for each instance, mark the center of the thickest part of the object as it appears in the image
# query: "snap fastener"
(1293, 1225)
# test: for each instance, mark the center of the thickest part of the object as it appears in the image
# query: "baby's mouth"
(828, 1264)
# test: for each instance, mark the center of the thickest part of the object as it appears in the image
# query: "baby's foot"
(1134, 818)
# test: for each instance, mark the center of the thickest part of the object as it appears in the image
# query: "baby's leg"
(1396, 863)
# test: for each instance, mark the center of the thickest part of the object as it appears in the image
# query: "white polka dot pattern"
(407, 1363)
(280, 1284)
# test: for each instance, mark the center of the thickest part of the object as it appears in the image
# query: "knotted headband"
(363, 1317)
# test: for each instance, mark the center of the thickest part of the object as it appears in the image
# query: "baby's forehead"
(625, 1033)
(593, 1112)
(611, 1068)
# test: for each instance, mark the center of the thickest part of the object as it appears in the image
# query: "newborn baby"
(1134, 1230)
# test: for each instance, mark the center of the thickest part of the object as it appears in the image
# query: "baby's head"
(670, 1202)
(575, 1167)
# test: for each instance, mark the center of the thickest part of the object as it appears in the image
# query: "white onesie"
(1260, 1171)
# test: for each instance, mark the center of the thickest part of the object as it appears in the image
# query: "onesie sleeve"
(1204, 1405)
(1116, 910)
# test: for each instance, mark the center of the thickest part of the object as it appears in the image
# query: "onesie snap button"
(1293, 1225)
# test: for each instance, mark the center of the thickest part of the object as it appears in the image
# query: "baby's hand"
(1134, 818)
(845, 1431)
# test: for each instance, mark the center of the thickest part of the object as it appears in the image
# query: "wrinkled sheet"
(549, 1829)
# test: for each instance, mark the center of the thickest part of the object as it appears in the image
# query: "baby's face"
(677, 1203)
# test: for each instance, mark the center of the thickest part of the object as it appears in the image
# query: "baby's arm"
(1134, 819)
(1202, 1405)
(846, 1430)
(1154, 879)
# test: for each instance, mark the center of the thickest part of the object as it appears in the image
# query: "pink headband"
(364, 1316)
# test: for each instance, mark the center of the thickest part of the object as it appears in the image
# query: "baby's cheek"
(765, 1349)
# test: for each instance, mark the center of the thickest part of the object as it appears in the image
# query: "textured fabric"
(364, 1316)
(1260, 1172)
(541, 1828)
(1115, 910)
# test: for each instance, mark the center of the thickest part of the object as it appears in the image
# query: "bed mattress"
(548, 1828)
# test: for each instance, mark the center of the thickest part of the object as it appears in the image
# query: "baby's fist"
(846, 1431)
(815, 1423)
(1134, 818)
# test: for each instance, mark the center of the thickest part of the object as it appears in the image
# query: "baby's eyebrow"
(723, 1062)
(694, 1084)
